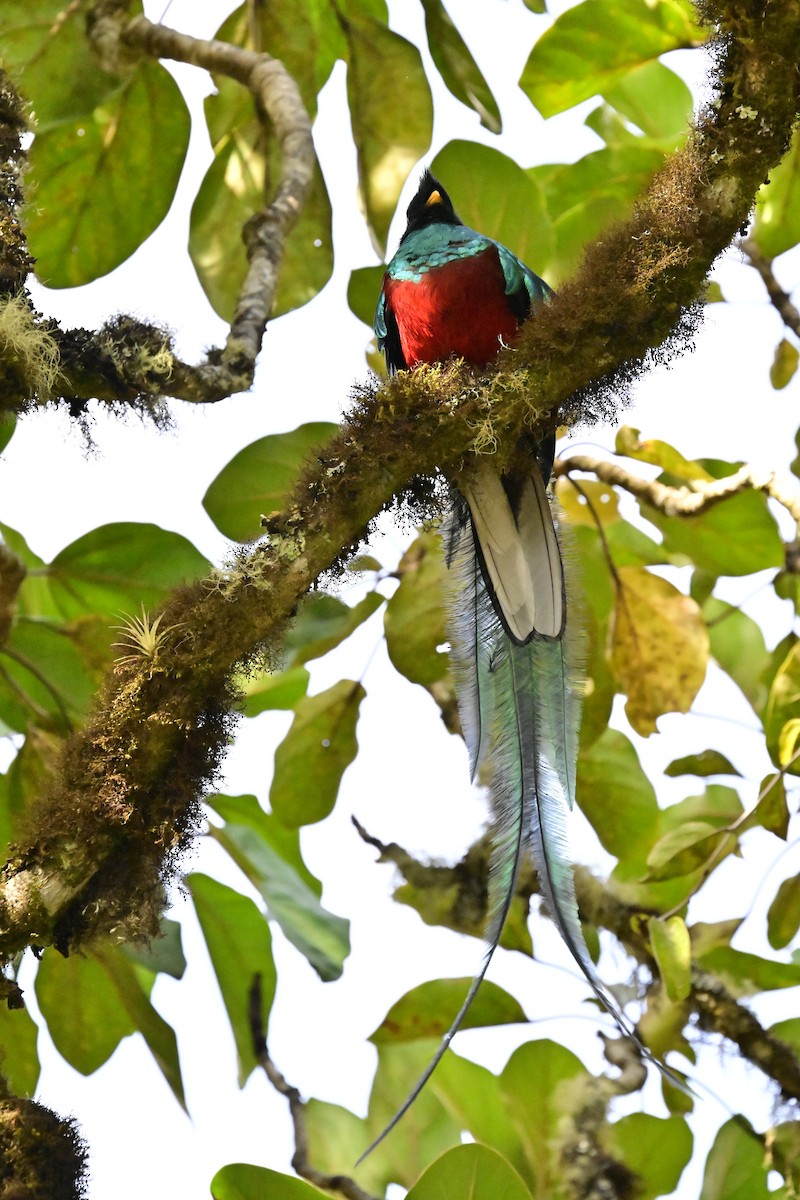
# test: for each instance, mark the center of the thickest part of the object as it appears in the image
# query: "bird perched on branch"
(449, 291)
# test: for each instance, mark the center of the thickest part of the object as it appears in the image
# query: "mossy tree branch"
(128, 362)
(129, 782)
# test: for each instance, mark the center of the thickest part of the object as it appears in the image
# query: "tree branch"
(127, 790)
(778, 297)
(343, 1184)
(128, 361)
(692, 499)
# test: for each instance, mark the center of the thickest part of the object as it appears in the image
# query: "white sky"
(717, 402)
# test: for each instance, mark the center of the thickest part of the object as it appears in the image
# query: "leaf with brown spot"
(658, 647)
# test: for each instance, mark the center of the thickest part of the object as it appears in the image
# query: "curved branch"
(128, 785)
(780, 299)
(692, 499)
(128, 361)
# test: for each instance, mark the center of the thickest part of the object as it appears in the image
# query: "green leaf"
(782, 707)
(414, 617)
(240, 1181)
(592, 48)
(43, 678)
(259, 479)
(735, 537)
(492, 193)
(672, 951)
(783, 918)
(784, 364)
(737, 644)
(788, 1032)
(771, 811)
(428, 1011)
(311, 759)
(471, 1095)
(472, 1173)
(390, 138)
(747, 974)
(457, 67)
(618, 799)
(269, 855)
(628, 441)
(106, 179)
(585, 197)
(8, 424)
(363, 291)
(736, 1168)
(82, 1008)
(116, 568)
(656, 99)
(46, 47)
(704, 763)
(246, 159)
(305, 37)
(159, 1036)
(280, 690)
(655, 1148)
(777, 224)
(240, 947)
(20, 1060)
(539, 1085)
(165, 952)
(323, 622)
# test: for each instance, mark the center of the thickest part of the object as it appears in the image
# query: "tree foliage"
(120, 723)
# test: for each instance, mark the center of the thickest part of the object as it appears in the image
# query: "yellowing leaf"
(659, 647)
(784, 364)
(672, 949)
(588, 502)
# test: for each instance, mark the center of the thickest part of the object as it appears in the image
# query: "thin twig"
(343, 1184)
(778, 297)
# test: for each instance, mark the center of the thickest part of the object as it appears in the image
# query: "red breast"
(459, 308)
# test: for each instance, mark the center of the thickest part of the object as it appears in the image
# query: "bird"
(451, 292)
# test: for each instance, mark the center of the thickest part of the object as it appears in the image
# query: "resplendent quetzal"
(450, 291)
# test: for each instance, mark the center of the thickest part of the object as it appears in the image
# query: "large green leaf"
(390, 136)
(45, 45)
(322, 623)
(457, 67)
(747, 974)
(587, 196)
(106, 179)
(655, 1148)
(246, 161)
(594, 45)
(472, 1096)
(311, 759)
(43, 677)
(20, 1061)
(115, 569)
(619, 799)
(274, 690)
(241, 1181)
(471, 1173)
(777, 223)
(735, 537)
(736, 1168)
(258, 479)
(654, 98)
(363, 291)
(428, 1011)
(82, 1008)
(414, 617)
(269, 855)
(239, 944)
(737, 644)
(539, 1084)
(135, 1000)
(492, 194)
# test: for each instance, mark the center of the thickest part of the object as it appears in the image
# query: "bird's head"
(430, 206)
